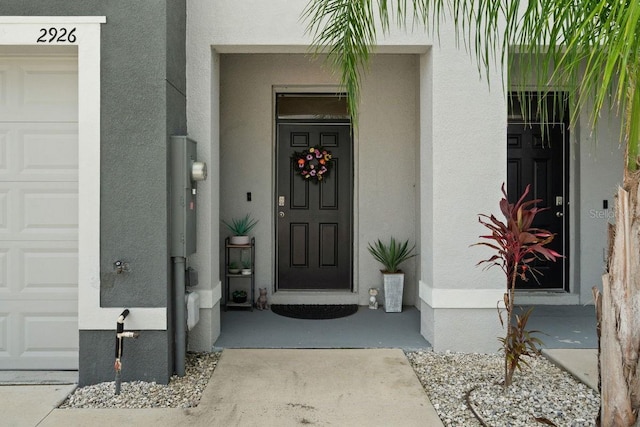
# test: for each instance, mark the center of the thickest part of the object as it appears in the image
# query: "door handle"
(559, 214)
(281, 214)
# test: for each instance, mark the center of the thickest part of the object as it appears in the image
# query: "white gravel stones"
(541, 390)
(181, 392)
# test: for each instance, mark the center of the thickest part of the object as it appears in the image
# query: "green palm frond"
(348, 39)
(590, 48)
(346, 31)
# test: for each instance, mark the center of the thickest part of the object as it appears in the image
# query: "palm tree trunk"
(618, 309)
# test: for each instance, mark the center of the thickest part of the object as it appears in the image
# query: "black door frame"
(311, 122)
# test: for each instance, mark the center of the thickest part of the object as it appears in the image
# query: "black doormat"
(314, 311)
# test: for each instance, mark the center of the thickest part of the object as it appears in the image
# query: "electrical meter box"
(186, 170)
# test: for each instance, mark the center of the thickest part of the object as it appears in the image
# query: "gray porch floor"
(563, 327)
(365, 329)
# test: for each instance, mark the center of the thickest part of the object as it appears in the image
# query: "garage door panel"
(53, 84)
(49, 149)
(39, 211)
(41, 333)
(44, 89)
(41, 362)
(38, 270)
(4, 146)
(4, 335)
(39, 151)
(4, 210)
(48, 211)
(35, 336)
(4, 272)
(52, 270)
(3, 86)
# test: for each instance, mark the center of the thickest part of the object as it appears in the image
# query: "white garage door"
(38, 209)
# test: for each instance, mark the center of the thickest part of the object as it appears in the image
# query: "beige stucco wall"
(598, 159)
(425, 109)
(385, 148)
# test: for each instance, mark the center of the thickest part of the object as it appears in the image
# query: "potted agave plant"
(391, 256)
(240, 227)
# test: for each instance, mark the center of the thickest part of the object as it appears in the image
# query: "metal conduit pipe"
(180, 314)
(120, 334)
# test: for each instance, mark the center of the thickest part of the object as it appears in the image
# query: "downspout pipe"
(180, 311)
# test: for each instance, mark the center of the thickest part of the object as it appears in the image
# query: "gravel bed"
(541, 390)
(181, 392)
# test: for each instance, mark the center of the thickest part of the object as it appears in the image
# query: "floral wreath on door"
(313, 164)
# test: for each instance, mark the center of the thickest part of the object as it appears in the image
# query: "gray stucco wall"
(143, 101)
(143, 359)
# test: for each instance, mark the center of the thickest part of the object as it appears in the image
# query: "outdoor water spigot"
(120, 266)
(128, 334)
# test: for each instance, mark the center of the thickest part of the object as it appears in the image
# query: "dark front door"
(314, 219)
(539, 158)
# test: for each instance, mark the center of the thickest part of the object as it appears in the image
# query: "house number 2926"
(57, 35)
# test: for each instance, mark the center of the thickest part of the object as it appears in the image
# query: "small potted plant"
(233, 268)
(240, 227)
(391, 256)
(246, 268)
(239, 296)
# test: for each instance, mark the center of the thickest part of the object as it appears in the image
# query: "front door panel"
(539, 159)
(314, 231)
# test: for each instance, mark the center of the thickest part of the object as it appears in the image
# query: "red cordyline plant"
(517, 244)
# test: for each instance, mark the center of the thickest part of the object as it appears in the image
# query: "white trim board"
(52, 20)
(489, 298)
(460, 298)
(209, 297)
(25, 31)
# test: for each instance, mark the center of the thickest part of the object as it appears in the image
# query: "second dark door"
(539, 158)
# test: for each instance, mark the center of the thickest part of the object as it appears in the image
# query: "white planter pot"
(239, 240)
(393, 287)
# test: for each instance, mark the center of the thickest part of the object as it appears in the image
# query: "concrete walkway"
(263, 387)
(581, 363)
(27, 405)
